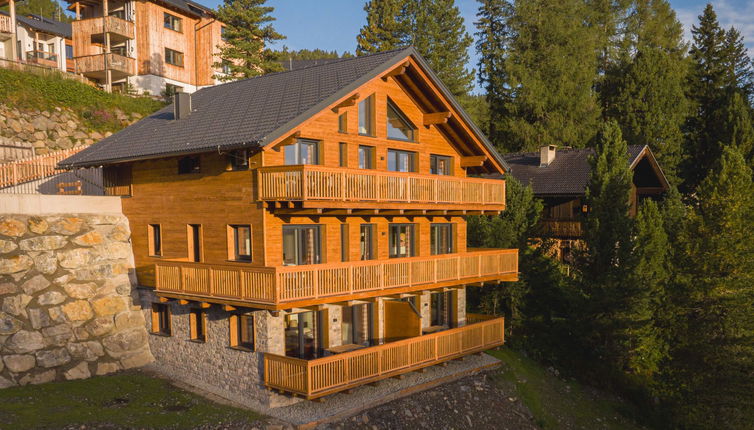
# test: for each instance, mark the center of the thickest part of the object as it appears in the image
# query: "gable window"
(366, 116)
(160, 319)
(401, 161)
(366, 157)
(302, 152)
(239, 238)
(301, 245)
(401, 240)
(439, 164)
(172, 22)
(198, 325)
(398, 127)
(242, 332)
(188, 165)
(343, 123)
(173, 57)
(441, 238)
(154, 233)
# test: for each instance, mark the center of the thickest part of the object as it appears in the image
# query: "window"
(401, 240)
(222, 33)
(367, 242)
(303, 337)
(154, 236)
(239, 160)
(302, 152)
(356, 327)
(441, 239)
(344, 242)
(198, 325)
(239, 240)
(343, 123)
(401, 161)
(301, 245)
(189, 165)
(172, 22)
(173, 57)
(441, 306)
(194, 233)
(343, 154)
(242, 332)
(160, 319)
(398, 127)
(440, 164)
(117, 180)
(366, 157)
(366, 116)
(69, 51)
(225, 66)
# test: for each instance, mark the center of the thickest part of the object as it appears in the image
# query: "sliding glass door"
(301, 245)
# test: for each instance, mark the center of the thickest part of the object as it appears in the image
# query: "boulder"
(78, 310)
(53, 357)
(12, 227)
(19, 363)
(139, 359)
(25, 341)
(105, 368)
(43, 243)
(80, 371)
(35, 284)
(129, 319)
(124, 341)
(15, 264)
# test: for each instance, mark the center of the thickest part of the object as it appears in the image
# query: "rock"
(43, 378)
(37, 225)
(142, 358)
(46, 263)
(9, 324)
(78, 310)
(113, 250)
(129, 319)
(51, 298)
(7, 246)
(104, 219)
(81, 371)
(67, 225)
(43, 243)
(81, 291)
(79, 135)
(8, 288)
(35, 284)
(16, 305)
(15, 264)
(89, 239)
(58, 335)
(12, 227)
(105, 368)
(5, 383)
(19, 363)
(88, 351)
(39, 318)
(56, 314)
(124, 341)
(53, 357)
(120, 233)
(109, 306)
(25, 341)
(100, 326)
(74, 258)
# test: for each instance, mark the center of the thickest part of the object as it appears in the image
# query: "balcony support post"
(108, 72)
(13, 27)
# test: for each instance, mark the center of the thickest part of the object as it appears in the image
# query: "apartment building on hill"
(34, 39)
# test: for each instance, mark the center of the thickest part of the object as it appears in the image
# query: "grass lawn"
(127, 399)
(559, 404)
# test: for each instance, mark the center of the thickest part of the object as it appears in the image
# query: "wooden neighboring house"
(146, 45)
(306, 228)
(36, 40)
(560, 176)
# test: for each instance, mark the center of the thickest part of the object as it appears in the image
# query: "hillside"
(39, 114)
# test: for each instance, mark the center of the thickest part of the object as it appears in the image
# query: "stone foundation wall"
(66, 310)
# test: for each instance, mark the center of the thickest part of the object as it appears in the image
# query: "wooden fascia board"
(401, 69)
(435, 118)
(473, 161)
(647, 152)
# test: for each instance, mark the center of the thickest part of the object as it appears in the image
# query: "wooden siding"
(328, 375)
(5, 24)
(84, 29)
(96, 63)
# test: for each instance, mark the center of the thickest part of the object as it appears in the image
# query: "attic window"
(366, 116)
(398, 127)
(189, 165)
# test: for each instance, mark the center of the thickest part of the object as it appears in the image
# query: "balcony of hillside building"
(334, 190)
(42, 58)
(93, 30)
(561, 229)
(285, 287)
(95, 66)
(6, 27)
(342, 371)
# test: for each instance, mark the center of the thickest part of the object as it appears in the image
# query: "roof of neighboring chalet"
(569, 173)
(252, 112)
(189, 6)
(303, 64)
(44, 25)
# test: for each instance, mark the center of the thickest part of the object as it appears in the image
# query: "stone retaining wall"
(66, 310)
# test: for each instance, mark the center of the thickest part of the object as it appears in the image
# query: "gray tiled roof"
(250, 112)
(45, 25)
(568, 174)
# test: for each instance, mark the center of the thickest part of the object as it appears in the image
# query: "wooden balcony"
(95, 65)
(5, 24)
(561, 229)
(94, 29)
(284, 287)
(328, 375)
(42, 58)
(295, 188)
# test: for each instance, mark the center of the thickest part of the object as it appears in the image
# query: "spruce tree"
(738, 126)
(248, 34)
(384, 30)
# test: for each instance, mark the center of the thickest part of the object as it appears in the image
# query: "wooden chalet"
(308, 226)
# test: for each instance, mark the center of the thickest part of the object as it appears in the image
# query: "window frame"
(391, 106)
(318, 233)
(297, 152)
(434, 230)
(169, 20)
(343, 154)
(372, 251)
(195, 242)
(233, 248)
(237, 339)
(343, 123)
(154, 241)
(172, 57)
(370, 152)
(198, 325)
(411, 231)
(367, 106)
(433, 163)
(412, 161)
(161, 320)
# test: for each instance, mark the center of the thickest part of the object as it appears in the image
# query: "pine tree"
(248, 33)
(493, 38)
(738, 128)
(739, 71)
(384, 30)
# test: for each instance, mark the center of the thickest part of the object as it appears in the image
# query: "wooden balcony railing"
(96, 26)
(311, 182)
(5, 24)
(323, 376)
(33, 168)
(561, 229)
(41, 57)
(285, 284)
(96, 63)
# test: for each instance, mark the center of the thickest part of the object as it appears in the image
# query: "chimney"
(181, 105)
(546, 155)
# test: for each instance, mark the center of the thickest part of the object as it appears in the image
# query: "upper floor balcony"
(284, 287)
(563, 229)
(313, 187)
(94, 29)
(95, 66)
(5, 25)
(43, 58)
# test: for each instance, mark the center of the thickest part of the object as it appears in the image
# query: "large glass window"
(240, 236)
(366, 157)
(302, 152)
(441, 238)
(172, 22)
(401, 240)
(356, 328)
(367, 241)
(302, 335)
(439, 164)
(401, 161)
(441, 304)
(366, 116)
(398, 127)
(301, 245)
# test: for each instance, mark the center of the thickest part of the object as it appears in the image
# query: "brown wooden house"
(559, 176)
(308, 226)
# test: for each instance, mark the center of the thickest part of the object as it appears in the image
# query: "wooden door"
(401, 321)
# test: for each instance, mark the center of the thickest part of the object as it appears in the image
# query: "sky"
(334, 24)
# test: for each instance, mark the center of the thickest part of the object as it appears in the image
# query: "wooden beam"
(229, 308)
(473, 161)
(204, 305)
(164, 299)
(183, 302)
(401, 69)
(436, 118)
(350, 101)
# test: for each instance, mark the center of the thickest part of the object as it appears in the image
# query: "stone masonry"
(66, 310)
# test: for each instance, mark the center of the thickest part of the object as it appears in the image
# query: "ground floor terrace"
(270, 358)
